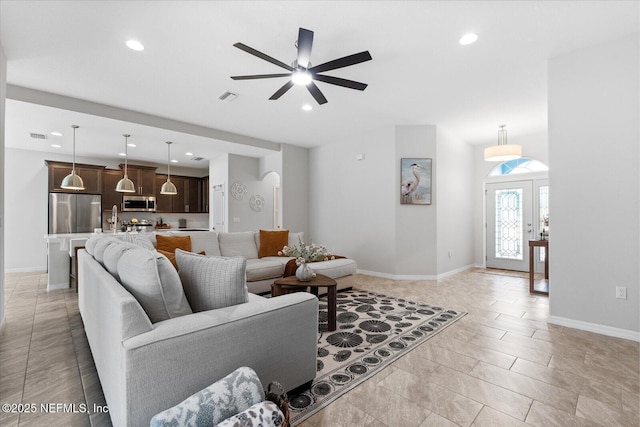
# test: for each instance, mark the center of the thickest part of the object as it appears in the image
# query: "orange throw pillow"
(272, 241)
(171, 243)
(172, 256)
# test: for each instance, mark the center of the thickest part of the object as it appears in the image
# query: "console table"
(543, 244)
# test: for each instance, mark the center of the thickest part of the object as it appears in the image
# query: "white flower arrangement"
(306, 253)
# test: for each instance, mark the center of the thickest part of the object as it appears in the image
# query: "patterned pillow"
(263, 414)
(212, 282)
(236, 392)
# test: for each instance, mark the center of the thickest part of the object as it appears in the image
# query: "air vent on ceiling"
(228, 96)
(38, 135)
(197, 159)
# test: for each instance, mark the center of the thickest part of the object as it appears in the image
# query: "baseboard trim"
(594, 327)
(27, 270)
(414, 276)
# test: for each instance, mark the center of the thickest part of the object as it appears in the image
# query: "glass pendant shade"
(73, 180)
(168, 187)
(125, 185)
(502, 152)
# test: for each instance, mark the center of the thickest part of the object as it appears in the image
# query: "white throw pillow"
(238, 244)
(151, 278)
(212, 282)
(101, 246)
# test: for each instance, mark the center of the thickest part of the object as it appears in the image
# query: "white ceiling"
(419, 74)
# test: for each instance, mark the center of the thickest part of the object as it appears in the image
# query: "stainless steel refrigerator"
(74, 213)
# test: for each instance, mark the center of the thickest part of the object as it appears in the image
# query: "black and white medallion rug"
(372, 331)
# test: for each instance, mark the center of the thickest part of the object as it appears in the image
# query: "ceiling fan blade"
(288, 85)
(305, 42)
(315, 92)
(261, 55)
(260, 76)
(356, 58)
(340, 82)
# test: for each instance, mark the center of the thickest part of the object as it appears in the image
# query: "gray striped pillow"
(212, 282)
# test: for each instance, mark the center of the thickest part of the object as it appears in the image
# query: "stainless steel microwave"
(138, 204)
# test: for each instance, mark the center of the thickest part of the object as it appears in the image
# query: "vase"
(304, 273)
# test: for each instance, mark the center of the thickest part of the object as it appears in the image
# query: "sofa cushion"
(171, 243)
(232, 394)
(90, 244)
(140, 240)
(112, 255)
(272, 241)
(295, 238)
(238, 244)
(101, 246)
(261, 269)
(335, 268)
(206, 241)
(212, 282)
(152, 280)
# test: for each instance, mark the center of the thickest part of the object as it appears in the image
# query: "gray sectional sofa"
(148, 362)
(261, 272)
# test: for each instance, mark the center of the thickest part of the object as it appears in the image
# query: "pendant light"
(125, 185)
(502, 152)
(168, 187)
(73, 181)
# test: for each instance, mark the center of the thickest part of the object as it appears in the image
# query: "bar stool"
(74, 246)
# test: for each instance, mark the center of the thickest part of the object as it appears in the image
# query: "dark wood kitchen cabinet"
(143, 177)
(188, 199)
(91, 176)
(110, 196)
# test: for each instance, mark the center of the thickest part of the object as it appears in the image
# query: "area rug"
(372, 331)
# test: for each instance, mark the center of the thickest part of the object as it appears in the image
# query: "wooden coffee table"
(280, 286)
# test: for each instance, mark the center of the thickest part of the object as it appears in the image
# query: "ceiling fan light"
(125, 185)
(72, 182)
(168, 188)
(301, 78)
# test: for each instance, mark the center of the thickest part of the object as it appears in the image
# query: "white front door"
(509, 224)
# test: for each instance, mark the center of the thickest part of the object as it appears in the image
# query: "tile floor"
(501, 365)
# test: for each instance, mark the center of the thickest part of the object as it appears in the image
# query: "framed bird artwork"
(415, 181)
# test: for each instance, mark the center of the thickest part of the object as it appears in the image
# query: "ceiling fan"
(302, 73)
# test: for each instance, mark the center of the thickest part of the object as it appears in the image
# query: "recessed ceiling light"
(56, 133)
(131, 144)
(122, 154)
(56, 145)
(174, 161)
(188, 153)
(307, 107)
(135, 45)
(468, 39)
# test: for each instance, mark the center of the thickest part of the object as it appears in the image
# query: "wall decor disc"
(256, 202)
(238, 190)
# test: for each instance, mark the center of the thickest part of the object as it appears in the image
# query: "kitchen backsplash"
(193, 220)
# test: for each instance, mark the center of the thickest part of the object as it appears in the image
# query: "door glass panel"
(509, 224)
(543, 197)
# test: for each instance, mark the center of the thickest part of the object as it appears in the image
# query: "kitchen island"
(58, 258)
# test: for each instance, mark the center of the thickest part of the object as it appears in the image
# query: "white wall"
(352, 203)
(295, 189)
(535, 146)
(594, 180)
(3, 96)
(245, 170)
(454, 204)
(415, 225)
